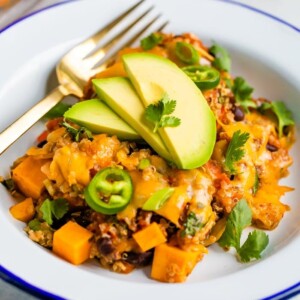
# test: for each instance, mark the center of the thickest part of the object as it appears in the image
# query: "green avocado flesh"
(99, 118)
(191, 143)
(119, 94)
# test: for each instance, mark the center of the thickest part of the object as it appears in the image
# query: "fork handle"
(9, 135)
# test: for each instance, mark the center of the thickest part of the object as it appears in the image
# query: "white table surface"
(288, 10)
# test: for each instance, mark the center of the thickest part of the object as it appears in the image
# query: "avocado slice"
(192, 142)
(99, 118)
(119, 94)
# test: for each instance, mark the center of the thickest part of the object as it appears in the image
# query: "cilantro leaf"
(151, 41)
(242, 92)
(153, 112)
(56, 208)
(46, 211)
(169, 105)
(34, 225)
(255, 244)
(59, 208)
(191, 226)
(222, 59)
(78, 134)
(57, 111)
(158, 113)
(170, 122)
(235, 150)
(283, 115)
(239, 218)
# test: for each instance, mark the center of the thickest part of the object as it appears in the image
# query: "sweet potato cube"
(29, 177)
(23, 211)
(174, 207)
(72, 242)
(149, 237)
(171, 264)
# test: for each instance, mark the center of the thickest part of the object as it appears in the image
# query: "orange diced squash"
(116, 70)
(174, 207)
(171, 264)
(72, 242)
(149, 237)
(23, 211)
(29, 178)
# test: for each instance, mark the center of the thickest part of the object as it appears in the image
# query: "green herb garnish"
(283, 115)
(235, 150)
(56, 208)
(256, 242)
(151, 41)
(239, 218)
(57, 111)
(222, 59)
(34, 225)
(78, 134)
(242, 92)
(159, 113)
(191, 225)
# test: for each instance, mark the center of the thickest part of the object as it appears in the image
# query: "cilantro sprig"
(34, 225)
(222, 59)
(242, 92)
(239, 218)
(159, 112)
(78, 134)
(283, 115)
(235, 150)
(56, 208)
(151, 41)
(191, 225)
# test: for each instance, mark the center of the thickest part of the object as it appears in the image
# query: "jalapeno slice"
(186, 53)
(205, 77)
(158, 199)
(109, 191)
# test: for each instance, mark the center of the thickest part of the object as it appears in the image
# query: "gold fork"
(76, 68)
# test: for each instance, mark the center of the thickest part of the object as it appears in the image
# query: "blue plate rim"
(13, 279)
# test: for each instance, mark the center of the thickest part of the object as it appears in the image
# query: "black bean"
(59, 223)
(41, 144)
(238, 114)
(138, 259)
(105, 246)
(272, 148)
(82, 216)
(82, 221)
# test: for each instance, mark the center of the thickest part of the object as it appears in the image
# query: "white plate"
(264, 50)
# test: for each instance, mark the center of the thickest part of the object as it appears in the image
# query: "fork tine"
(134, 39)
(162, 27)
(95, 57)
(89, 44)
(143, 30)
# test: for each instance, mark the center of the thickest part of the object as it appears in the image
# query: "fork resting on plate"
(78, 66)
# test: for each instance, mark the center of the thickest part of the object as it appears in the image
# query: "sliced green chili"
(186, 53)
(110, 191)
(158, 199)
(205, 77)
